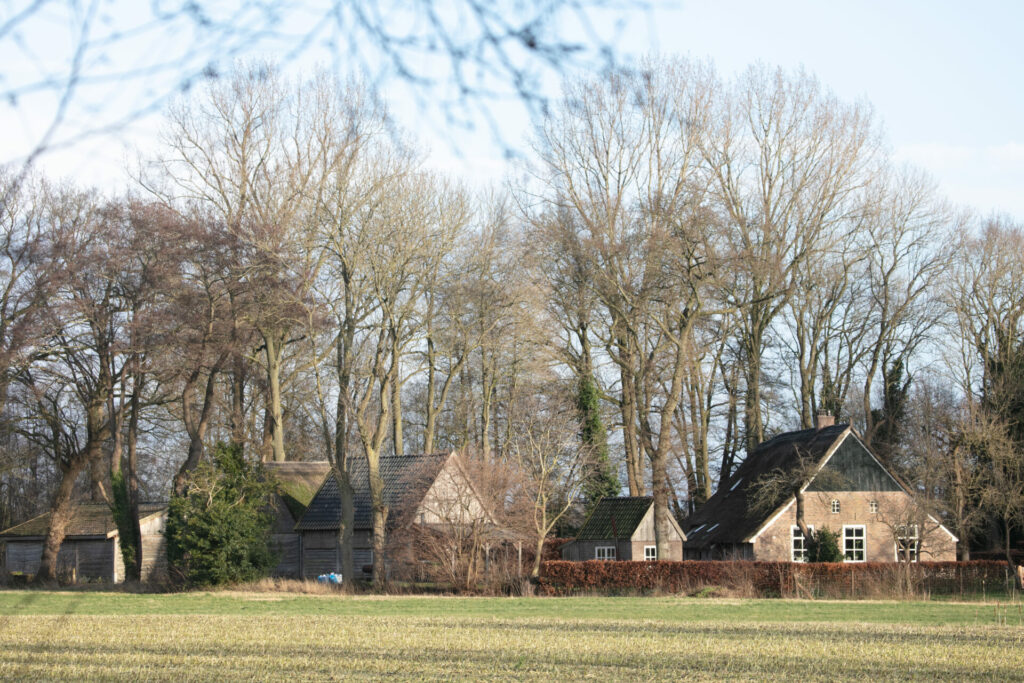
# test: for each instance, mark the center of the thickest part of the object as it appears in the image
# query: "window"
(908, 543)
(835, 506)
(604, 552)
(798, 547)
(853, 543)
(873, 507)
(650, 553)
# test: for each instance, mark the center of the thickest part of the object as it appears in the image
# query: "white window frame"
(836, 507)
(847, 551)
(914, 539)
(650, 553)
(604, 552)
(873, 507)
(793, 538)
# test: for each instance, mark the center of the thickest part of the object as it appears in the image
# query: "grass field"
(271, 636)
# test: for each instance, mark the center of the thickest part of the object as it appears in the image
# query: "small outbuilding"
(622, 528)
(91, 547)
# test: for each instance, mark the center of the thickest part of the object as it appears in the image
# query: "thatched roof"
(87, 519)
(726, 517)
(297, 482)
(406, 480)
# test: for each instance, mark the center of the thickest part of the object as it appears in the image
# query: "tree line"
(690, 265)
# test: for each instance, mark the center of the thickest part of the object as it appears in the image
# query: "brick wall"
(895, 509)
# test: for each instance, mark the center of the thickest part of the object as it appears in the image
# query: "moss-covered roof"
(87, 519)
(615, 518)
(297, 482)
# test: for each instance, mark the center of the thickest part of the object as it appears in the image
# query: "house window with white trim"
(835, 506)
(854, 543)
(873, 507)
(604, 552)
(908, 543)
(798, 545)
(650, 553)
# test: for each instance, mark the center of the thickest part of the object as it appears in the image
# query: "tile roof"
(87, 519)
(615, 518)
(725, 517)
(297, 482)
(406, 480)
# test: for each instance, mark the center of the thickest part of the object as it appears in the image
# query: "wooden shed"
(92, 547)
(622, 528)
(296, 484)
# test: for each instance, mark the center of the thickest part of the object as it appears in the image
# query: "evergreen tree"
(603, 480)
(218, 530)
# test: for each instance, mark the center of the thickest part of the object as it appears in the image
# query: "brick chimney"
(824, 419)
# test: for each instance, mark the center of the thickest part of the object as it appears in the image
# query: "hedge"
(834, 579)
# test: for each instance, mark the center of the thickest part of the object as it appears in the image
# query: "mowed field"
(277, 636)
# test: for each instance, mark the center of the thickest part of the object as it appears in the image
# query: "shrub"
(824, 547)
(218, 531)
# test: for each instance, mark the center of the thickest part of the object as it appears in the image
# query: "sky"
(944, 78)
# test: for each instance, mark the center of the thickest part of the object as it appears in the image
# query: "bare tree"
(552, 461)
(787, 158)
(72, 381)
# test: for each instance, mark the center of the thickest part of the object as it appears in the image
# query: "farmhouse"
(622, 529)
(431, 490)
(845, 489)
(296, 484)
(92, 547)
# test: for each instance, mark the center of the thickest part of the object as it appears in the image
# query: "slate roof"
(297, 482)
(615, 518)
(87, 519)
(406, 480)
(725, 517)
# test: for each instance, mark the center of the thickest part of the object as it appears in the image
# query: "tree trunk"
(60, 517)
(535, 572)
(195, 425)
(135, 572)
(396, 419)
(347, 497)
(634, 467)
(274, 344)
(380, 518)
(238, 379)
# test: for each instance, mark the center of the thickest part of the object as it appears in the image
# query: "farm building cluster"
(827, 471)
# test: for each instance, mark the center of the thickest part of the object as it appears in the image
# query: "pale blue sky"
(945, 78)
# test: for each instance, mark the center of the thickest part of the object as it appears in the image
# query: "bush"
(218, 531)
(824, 547)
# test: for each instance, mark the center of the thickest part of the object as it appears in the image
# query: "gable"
(852, 467)
(645, 530)
(451, 498)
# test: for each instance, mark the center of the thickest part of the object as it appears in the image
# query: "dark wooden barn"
(92, 547)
